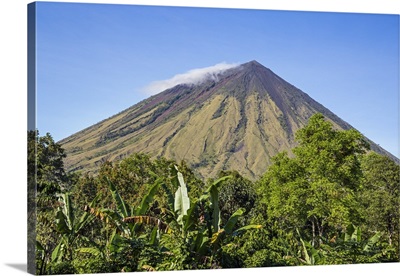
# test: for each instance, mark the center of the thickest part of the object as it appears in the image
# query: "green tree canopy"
(315, 190)
(46, 164)
(381, 195)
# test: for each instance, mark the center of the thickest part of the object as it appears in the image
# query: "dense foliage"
(329, 201)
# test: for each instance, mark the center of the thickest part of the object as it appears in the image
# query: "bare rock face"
(235, 121)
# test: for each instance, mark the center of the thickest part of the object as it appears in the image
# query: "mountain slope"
(237, 120)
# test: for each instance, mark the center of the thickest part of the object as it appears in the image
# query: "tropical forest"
(329, 200)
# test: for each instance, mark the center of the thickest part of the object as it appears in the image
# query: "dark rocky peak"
(252, 76)
(252, 65)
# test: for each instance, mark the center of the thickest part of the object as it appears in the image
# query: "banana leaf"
(148, 199)
(182, 201)
(121, 206)
(233, 220)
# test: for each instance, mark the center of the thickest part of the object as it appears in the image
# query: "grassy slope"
(238, 123)
(211, 138)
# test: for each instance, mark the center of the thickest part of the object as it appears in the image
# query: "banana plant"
(209, 233)
(185, 210)
(352, 236)
(69, 226)
(114, 245)
(311, 256)
(228, 229)
(128, 220)
(345, 249)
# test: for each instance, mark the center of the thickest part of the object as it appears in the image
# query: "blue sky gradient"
(94, 60)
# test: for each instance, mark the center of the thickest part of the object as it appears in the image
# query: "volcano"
(236, 120)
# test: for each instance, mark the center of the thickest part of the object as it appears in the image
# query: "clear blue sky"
(94, 60)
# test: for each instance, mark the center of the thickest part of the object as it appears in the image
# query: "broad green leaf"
(233, 220)
(307, 258)
(372, 241)
(148, 199)
(90, 250)
(182, 201)
(86, 218)
(348, 236)
(56, 255)
(190, 219)
(216, 214)
(202, 245)
(153, 236)
(116, 243)
(245, 228)
(197, 242)
(305, 253)
(121, 206)
(217, 183)
(61, 223)
(64, 216)
(68, 210)
(358, 234)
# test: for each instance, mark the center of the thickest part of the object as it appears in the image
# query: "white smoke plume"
(194, 76)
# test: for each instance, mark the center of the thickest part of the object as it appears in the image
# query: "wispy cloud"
(194, 76)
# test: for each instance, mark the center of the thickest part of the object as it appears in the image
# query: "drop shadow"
(20, 267)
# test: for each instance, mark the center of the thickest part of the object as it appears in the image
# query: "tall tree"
(381, 196)
(46, 174)
(315, 190)
(51, 176)
(46, 178)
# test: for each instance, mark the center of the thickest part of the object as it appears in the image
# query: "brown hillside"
(237, 122)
